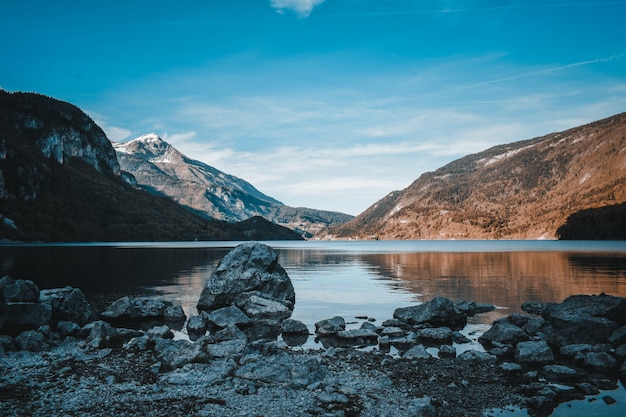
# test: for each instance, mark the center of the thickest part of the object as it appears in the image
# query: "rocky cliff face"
(51, 129)
(523, 190)
(60, 181)
(160, 168)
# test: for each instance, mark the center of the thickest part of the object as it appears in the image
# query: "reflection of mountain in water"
(505, 279)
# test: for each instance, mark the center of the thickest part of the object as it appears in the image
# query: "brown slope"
(523, 190)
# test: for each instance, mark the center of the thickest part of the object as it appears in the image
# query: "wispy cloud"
(302, 8)
(114, 133)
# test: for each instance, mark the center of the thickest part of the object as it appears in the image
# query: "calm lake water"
(347, 278)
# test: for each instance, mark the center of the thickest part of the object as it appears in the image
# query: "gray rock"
(459, 338)
(417, 352)
(67, 328)
(435, 336)
(163, 332)
(405, 343)
(396, 323)
(258, 307)
(177, 353)
(7, 342)
(293, 327)
(251, 266)
(618, 337)
(561, 373)
(535, 307)
(570, 351)
(196, 325)
(67, 304)
(393, 331)
(476, 356)
(588, 319)
(20, 290)
(505, 333)
(330, 326)
(438, 312)
(174, 312)
(226, 316)
(231, 332)
(572, 327)
(280, 369)
(601, 362)
(358, 336)
(102, 335)
(447, 351)
(136, 309)
(27, 314)
(471, 308)
(534, 352)
(32, 341)
(369, 326)
(511, 367)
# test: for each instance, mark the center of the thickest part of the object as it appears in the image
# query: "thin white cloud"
(302, 8)
(114, 133)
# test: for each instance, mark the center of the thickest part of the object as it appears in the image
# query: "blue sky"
(329, 104)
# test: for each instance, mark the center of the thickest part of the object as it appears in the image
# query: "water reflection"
(505, 279)
(332, 279)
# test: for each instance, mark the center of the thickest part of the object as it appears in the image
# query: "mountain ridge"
(521, 190)
(161, 169)
(60, 181)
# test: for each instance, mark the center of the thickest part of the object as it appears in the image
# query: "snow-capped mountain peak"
(160, 168)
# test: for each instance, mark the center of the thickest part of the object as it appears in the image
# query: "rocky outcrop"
(250, 281)
(141, 309)
(24, 307)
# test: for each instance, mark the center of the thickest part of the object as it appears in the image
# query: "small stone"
(609, 400)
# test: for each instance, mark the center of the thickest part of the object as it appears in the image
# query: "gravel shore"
(73, 379)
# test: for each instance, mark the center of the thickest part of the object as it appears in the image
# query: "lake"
(348, 278)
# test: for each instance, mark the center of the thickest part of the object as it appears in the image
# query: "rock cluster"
(250, 289)
(235, 365)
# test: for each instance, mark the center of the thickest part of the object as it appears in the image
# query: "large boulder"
(251, 267)
(503, 332)
(27, 314)
(579, 319)
(20, 290)
(438, 312)
(67, 304)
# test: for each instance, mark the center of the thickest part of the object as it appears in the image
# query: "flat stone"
(417, 352)
(561, 373)
(534, 352)
(226, 316)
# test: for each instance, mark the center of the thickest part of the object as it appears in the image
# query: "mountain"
(60, 180)
(547, 187)
(161, 169)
